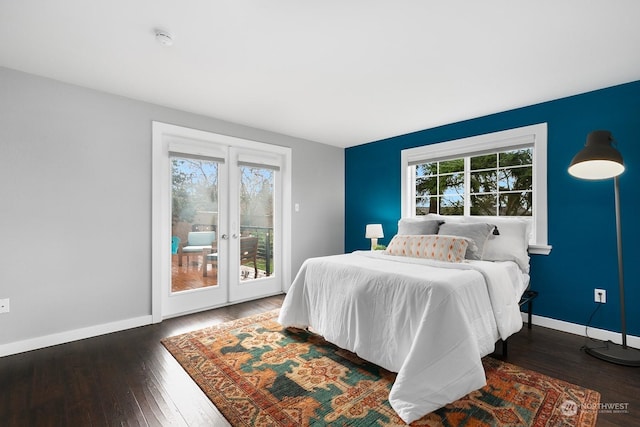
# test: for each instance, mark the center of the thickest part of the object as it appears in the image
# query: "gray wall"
(75, 203)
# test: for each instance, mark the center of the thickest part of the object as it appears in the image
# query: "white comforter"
(429, 321)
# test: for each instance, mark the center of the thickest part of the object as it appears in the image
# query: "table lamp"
(374, 232)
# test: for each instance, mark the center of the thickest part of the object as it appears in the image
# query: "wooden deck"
(189, 276)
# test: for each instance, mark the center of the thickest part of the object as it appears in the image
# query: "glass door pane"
(194, 223)
(255, 244)
(256, 223)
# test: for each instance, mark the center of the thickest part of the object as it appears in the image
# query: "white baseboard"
(74, 335)
(576, 329)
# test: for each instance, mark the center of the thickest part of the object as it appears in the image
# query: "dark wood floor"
(129, 379)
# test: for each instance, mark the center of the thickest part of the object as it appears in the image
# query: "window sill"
(539, 249)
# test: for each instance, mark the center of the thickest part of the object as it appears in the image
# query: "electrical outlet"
(4, 305)
(600, 295)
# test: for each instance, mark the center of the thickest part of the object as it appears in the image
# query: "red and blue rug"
(258, 373)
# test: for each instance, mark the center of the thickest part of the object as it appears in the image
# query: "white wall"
(75, 206)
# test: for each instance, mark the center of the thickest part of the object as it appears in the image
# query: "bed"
(427, 311)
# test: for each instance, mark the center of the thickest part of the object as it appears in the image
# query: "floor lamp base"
(615, 353)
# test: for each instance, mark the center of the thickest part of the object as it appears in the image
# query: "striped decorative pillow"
(432, 246)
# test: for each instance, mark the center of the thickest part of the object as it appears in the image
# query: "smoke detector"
(164, 37)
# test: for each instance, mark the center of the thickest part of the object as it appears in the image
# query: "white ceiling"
(337, 72)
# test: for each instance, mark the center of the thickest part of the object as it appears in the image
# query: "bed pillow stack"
(509, 243)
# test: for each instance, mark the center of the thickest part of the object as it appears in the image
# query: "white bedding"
(429, 321)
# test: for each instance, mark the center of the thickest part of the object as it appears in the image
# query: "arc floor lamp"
(600, 160)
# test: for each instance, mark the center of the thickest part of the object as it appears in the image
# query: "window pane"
(426, 186)
(448, 166)
(516, 157)
(422, 202)
(488, 161)
(518, 178)
(483, 204)
(452, 205)
(425, 205)
(507, 180)
(452, 184)
(516, 204)
(421, 211)
(427, 169)
(483, 182)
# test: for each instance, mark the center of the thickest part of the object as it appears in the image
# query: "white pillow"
(419, 225)
(511, 245)
(476, 232)
(433, 246)
(447, 218)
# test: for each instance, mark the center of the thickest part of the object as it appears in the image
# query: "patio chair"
(197, 241)
(248, 252)
(175, 244)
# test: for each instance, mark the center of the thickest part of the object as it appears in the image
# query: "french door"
(220, 220)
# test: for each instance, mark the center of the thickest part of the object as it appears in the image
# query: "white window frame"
(528, 136)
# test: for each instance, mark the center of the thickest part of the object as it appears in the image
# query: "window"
(497, 174)
(497, 184)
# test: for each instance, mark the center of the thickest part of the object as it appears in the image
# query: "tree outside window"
(194, 188)
(499, 184)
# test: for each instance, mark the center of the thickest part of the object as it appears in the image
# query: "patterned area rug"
(260, 374)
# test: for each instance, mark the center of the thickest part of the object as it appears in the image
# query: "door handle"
(234, 235)
(224, 237)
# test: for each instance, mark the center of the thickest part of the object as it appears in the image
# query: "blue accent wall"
(582, 227)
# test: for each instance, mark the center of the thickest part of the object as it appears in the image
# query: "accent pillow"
(477, 232)
(432, 246)
(421, 226)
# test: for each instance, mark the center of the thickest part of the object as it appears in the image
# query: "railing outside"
(265, 242)
(265, 245)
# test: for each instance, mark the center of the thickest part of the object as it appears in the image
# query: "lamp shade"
(374, 231)
(598, 159)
